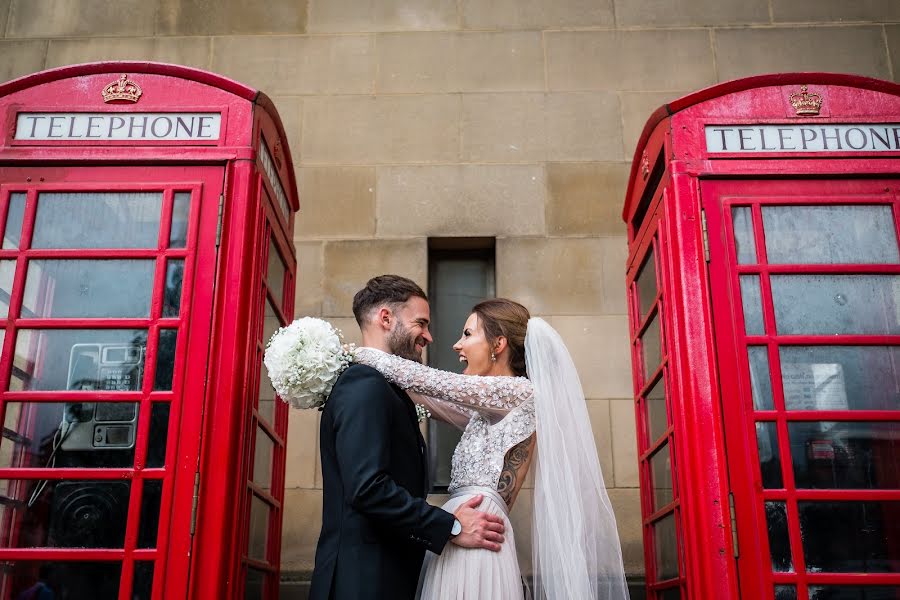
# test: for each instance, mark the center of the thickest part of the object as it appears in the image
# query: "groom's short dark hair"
(381, 290)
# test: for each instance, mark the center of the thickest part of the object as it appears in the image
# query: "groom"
(376, 524)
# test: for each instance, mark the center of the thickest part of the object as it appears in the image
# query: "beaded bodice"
(499, 410)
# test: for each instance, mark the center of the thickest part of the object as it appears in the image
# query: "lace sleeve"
(483, 394)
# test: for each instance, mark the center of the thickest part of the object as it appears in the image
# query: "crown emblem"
(122, 89)
(805, 103)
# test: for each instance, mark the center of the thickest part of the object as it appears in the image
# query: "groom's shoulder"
(360, 376)
(358, 385)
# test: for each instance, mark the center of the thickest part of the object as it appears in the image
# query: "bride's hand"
(479, 529)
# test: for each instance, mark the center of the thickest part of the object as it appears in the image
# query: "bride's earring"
(493, 357)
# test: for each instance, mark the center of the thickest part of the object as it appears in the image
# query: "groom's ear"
(384, 318)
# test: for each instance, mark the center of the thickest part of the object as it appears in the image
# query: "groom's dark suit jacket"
(376, 524)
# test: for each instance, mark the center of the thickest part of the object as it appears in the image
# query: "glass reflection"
(742, 217)
(751, 300)
(75, 580)
(830, 234)
(259, 529)
(159, 433)
(669, 594)
(275, 273)
(846, 454)
(12, 234)
(661, 472)
(651, 347)
(666, 548)
(657, 420)
(760, 378)
(88, 288)
(646, 284)
(253, 588)
(97, 220)
(779, 543)
(90, 435)
(143, 581)
(172, 293)
(165, 359)
(836, 304)
(841, 377)
(7, 274)
(785, 592)
(64, 514)
(180, 213)
(262, 459)
(79, 359)
(850, 537)
(850, 592)
(769, 454)
(150, 503)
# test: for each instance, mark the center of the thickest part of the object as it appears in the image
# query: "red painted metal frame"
(224, 348)
(697, 373)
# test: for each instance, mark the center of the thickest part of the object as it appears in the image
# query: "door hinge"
(734, 535)
(705, 234)
(219, 222)
(194, 502)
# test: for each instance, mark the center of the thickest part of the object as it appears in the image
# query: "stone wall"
(515, 119)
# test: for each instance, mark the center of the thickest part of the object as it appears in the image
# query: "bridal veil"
(576, 549)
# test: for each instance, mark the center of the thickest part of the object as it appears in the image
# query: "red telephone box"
(764, 300)
(146, 257)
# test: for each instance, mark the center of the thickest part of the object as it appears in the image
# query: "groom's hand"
(479, 529)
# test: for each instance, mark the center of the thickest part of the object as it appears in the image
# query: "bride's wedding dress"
(497, 414)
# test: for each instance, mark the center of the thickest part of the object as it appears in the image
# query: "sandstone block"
(460, 200)
(893, 37)
(300, 529)
(292, 64)
(586, 198)
(624, 443)
(224, 17)
(643, 13)
(662, 59)
(536, 14)
(583, 126)
(506, 127)
(302, 448)
(336, 202)
(309, 294)
(380, 129)
(598, 410)
(636, 109)
(627, 506)
(859, 50)
(345, 16)
(350, 264)
(190, 51)
(65, 18)
(21, 58)
(460, 62)
(831, 11)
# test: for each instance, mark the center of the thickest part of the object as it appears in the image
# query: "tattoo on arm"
(517, 456)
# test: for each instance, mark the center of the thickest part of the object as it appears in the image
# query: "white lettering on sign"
(118, 126)
(859, 137)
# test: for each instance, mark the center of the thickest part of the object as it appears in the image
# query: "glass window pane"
(97, 220)
(752, 303)
(850, 592)
(850, 537)
(841, 377)
(150, 503)
(275, 273)
(785, 592)
(651, 347)
(87, 435)
(779, 542)
(845, 454)
(769, 455)
(742, 217)
(172, 293)
(63, 514)
(7, 274)
(165, 359)
(253, 588)
(143, 581)
(259, 529)
(266, 395)
(262, 459)
(12, 234)
(661, 473)
(669, 594)
(666, 548)
(646, 284)
(836, 304)
(88, 288)
(159, 433)
(760, 380)
(180, 213)
(657, 420)
(829, 234)
(75, 580)
(79, 359)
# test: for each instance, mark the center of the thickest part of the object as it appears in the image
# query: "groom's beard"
(402, 343)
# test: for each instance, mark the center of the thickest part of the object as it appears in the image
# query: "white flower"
(422, 413)
(304, 361)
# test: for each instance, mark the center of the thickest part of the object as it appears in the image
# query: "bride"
(519, 402)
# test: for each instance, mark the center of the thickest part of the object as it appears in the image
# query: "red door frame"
(732, 341)
(177, 475)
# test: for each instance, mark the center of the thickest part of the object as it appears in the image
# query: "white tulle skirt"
(466, 574)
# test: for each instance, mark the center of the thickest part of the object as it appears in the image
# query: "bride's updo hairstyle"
(500, 317)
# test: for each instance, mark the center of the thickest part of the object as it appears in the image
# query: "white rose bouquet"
(304, 361)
